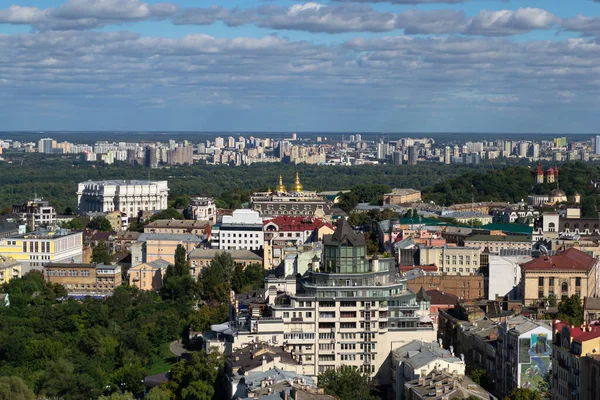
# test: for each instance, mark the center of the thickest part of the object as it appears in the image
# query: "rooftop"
(344, 235)
(184, 237)
(438, 297)
(250, 357)
(235, 254)
(176, 223)
(499, 238)
(418, 354)
(118, 182)
(569, 260)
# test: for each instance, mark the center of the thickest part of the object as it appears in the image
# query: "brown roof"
(569, 260)
(439, 297)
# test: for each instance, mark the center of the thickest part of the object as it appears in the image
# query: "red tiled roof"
(297, 223)
(579, 334)
(571, 259)
(439, 297)
(426, 268)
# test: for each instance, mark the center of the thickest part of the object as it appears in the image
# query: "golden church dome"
(280, 187)
(297, 185)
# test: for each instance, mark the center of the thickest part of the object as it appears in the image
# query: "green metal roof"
(509, 228)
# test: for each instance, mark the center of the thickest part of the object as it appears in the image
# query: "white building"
(347, 310)
(129, 197)
(46, 145)
(505, 276)
(241, 231)
(202, 209)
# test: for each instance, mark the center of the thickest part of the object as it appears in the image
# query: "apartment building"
(84, 279)
(452, 260)
(417, 359)
(524, 354)
(442, 385)
(128, 196)
(37, 213)
(148, 276)
(9, 269)
(571, 380)
(402, 196)
(562, 275)
(35, 249)
(348, 310)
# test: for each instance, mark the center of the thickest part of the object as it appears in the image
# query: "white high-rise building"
(597, 147)
(45, 145)
(346, 310)
(129, 197)
(241, 231)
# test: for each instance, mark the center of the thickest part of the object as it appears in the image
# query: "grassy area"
(163, 362)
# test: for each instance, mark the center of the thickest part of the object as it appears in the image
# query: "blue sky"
(348, 65)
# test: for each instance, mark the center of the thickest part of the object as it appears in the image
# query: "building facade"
(202, 209)
(402, 196)
(349, 311)
(37, 213)
(201, 258)
(148, 276)
(494, 244)
(296, 201)
(452, 260)
(130, 197)
(35, 249)
(243, 230)
(9, 270)
(562, 275)
(84, 279)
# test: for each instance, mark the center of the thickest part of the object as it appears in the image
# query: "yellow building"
(201, 258)
(452, 260)
(35, 249)
(569, 373)
(562, 275)
(84, 279)
(162, 246)
(9, 269)
(148, 276)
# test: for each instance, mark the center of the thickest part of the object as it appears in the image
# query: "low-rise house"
(148, 276)
(201, 258)
(84, 279)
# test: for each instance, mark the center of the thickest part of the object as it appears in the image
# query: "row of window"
(460, 270)
(462, 260)
(541, 281)
(63, 272)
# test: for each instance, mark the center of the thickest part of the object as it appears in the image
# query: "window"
(286, 314)
(577, 281)
(541, 281)
(551, 282)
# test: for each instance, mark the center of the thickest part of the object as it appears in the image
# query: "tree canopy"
(571, 310)
(347, 383)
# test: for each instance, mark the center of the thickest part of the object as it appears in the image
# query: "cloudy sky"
(346, 65)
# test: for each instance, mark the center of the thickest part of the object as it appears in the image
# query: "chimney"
(264, 363)
(421, 380)
(438, 392)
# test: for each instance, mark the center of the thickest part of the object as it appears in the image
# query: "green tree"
(13, 388)
(347, 201)
(196, 378)
(571, 310)
(101, 255)
(158, 393)
(255, 275)
(239, 281)
(118, 396)
(347, 383)
(182, 266)
(524, 394)
(215, 281)
(101, 224)
(482, 378)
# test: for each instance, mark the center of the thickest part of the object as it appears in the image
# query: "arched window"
(564, 289)
(551, 227)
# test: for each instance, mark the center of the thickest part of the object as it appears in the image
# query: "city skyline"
(417, 65)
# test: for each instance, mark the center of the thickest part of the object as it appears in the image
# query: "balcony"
(297, 319)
